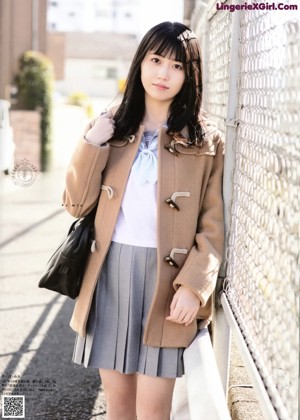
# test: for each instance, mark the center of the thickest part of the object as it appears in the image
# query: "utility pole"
(35, 25)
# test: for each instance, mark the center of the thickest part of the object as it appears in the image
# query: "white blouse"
(137, 221)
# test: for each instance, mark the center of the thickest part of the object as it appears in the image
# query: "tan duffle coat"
(190, 224)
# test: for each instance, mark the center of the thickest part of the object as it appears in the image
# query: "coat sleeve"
(201, 267)
(83, 178)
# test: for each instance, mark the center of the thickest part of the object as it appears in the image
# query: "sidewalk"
(36, 341)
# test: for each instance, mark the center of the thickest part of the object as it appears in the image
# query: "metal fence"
(252, 78)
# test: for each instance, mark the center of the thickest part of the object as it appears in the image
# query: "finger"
(177, 317)
(192, 317)
(186, 317)
(177, 312)
(188, 320)
(93, 122)
(170, 318)
(109, 114)
(173, 304)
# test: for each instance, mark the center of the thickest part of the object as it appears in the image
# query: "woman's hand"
(102, 129)
(184, 306)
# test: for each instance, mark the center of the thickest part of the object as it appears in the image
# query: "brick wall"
(16, 36)
(26, 134)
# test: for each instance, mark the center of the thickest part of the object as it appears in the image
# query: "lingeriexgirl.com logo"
(255, 6)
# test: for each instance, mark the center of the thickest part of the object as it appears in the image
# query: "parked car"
(7, 145)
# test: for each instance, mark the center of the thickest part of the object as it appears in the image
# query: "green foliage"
(35, 83)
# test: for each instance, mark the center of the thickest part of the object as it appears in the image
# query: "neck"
(156, 114)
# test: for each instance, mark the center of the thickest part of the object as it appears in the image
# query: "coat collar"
(176, 145)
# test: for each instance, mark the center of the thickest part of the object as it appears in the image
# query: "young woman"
(154, 167)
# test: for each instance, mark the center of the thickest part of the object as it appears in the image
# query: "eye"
(178, 66)
(155, 60)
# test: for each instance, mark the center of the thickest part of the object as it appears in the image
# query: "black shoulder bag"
(65, 268)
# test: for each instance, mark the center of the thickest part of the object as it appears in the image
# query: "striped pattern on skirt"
(118, 316)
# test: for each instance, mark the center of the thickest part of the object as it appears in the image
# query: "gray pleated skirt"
(117, 318)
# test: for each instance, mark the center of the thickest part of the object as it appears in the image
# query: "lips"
(160, 87)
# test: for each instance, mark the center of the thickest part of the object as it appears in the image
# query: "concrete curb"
(242, 400)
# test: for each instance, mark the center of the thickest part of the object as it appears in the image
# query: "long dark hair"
(177, 41)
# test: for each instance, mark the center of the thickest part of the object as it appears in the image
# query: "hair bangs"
(168, 46)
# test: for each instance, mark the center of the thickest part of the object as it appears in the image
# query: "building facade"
(119, 16)
(22, 27)
(96, 62)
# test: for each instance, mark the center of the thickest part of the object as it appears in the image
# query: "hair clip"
(187, 35)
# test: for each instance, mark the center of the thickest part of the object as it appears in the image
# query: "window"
(111, 73)
(100, 72)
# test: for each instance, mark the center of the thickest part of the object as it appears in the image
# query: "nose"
(163, 72)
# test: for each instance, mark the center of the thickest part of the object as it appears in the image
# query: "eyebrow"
(164, 56)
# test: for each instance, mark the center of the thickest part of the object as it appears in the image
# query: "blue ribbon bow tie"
(145, 165)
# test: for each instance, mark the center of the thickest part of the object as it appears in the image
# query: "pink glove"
(102, 130)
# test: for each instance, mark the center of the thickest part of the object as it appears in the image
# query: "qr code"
(13, 406)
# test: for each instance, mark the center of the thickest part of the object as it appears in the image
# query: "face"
(162, 77)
